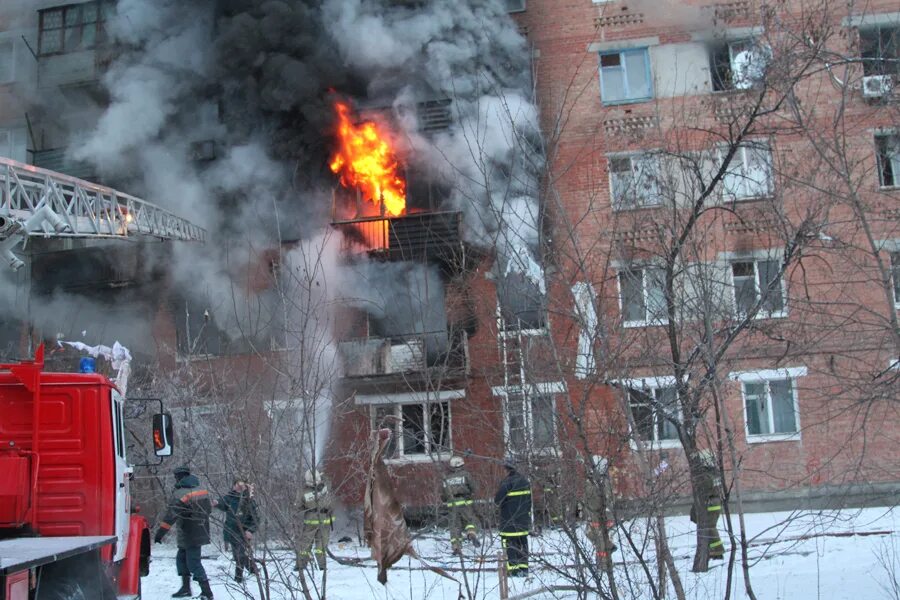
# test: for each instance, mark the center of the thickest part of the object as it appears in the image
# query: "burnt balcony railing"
(434, 354)
(426, 235)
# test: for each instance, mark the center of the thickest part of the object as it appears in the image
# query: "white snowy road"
(817, 556)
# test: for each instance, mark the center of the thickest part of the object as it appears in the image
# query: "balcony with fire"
(388, 207)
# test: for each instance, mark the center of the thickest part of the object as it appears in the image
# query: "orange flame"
(366, 161)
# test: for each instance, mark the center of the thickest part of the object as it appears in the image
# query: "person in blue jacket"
(241, 521)
(514, 500)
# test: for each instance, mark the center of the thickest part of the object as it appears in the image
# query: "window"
(119, 428)
(770, 407)
(420, 429)
(895, 276)
(738, 65)
(642, 295)
(749, 174)
(521, 298)
(755, 280)
(634, 181)
(625, 76)
(196, 332)
(7, 62)
(73, 27)
(654, 410)
(515, 5)
(530, 423)
(888, 152)
(879, 48)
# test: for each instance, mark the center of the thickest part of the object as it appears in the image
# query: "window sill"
(888, 188)
(768, 196)
(508, 333)
(657, 445)
(626, 101)
(196, 358)
(773, 437)
(762, 316)
(416, 459)
(636, 324)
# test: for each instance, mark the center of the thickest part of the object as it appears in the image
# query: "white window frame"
(638, 162)
(894, 258)
(645, 322)
(650, 384)
(586, 311)
(428, 456)
(552, 389)
(760, 314)
(895, 160)
(739, 161)
(648, 73)
(766, 376)
(521, 6)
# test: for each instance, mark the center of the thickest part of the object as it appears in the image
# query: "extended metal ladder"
(38, 202)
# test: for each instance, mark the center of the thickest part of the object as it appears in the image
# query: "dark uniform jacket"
(457, 485)
(514, 499)
(189, 506)
(241, 515)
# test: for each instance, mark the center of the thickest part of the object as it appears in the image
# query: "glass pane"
(744, 287)
(612, 84)
(895, 268)
(610, 60)
(51, 41)
(52, 19)
(632, 285)
(440, 426)
(638, 79)
(89, 35)
(757, 418)
(73, 16)
(413, 429)
(89, 12)
(646, 176)
(720, 62)
(642, 412)
(756, 171)
(770, 285)
(515, 419)
(542, 421)
(667, 410)
(72, 38)
(620, 176)
(385, 418)
(656, 296)
(783, 406)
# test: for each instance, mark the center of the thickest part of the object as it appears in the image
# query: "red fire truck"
(68, 530)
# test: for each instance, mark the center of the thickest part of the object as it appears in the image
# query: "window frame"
(523, 8)
(766, 376)
(99, 27)
(648, 73)
(894, 258)
(400, 455)
(882, 141)
(645, 322)
(741, 155)
(527, 392)
(617, 204)
(880, 61)
(760, 314)
(651, 385)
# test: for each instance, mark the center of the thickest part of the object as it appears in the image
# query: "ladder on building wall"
(512, 355)
(42, 203)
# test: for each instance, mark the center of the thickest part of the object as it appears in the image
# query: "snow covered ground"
(796, 556)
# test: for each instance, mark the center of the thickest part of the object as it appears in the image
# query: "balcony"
(430, 236)
(420, 357)
(57, 159)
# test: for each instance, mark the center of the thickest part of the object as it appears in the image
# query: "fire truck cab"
(67, 526)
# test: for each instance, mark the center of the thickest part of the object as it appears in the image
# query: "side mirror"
(163, 435)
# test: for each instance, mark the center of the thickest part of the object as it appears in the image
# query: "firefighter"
(552, 495)
(709, 488)
(514, 499)
(189, 508)
(315, 511)
(241, 519)
(458, 493)
(597, 516)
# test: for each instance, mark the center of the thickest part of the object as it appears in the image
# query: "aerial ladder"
(35, 202)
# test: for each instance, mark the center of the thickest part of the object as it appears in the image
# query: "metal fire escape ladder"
(38, 202)
(511, 351)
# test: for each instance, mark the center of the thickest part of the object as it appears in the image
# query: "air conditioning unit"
(877, 86)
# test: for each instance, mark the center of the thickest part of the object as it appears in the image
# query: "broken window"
(749, 175)
(625, 76)
(755, 280)
(654, 411)
(879, 48)
(73, 27)
(888, 150)
(521, 302)
(770, 406)
(642, 295)
(634, 181)
(419, 429)
(738, 65)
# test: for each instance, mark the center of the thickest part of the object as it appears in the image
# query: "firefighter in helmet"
(458, 494)
(513, 498)
(708, 486)
(597, 516)
(315, 523)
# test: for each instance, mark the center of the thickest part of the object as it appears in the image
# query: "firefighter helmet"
(457, 462)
